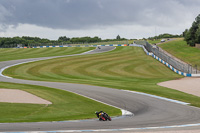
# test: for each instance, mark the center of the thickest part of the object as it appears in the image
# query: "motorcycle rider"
(98, 113)
(104, 114)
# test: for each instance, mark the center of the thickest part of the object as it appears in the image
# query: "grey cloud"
(4, 13)
(79, 14)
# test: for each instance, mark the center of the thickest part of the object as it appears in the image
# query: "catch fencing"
(179, 65)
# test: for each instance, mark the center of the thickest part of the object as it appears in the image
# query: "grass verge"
(66, 106)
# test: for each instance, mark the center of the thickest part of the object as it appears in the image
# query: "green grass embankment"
(66, 106)
(126, 68)
(181, 50)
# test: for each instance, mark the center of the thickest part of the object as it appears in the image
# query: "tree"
(197, 35)
(192, 35)
(63, 38)
(185, 33)
(118, 37)
(165, 35)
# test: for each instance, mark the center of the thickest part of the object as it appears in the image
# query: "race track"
(148, 111)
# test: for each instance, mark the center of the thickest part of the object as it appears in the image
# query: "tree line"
(192, 35)
(25, 41)
(36, 41)
(165, 35)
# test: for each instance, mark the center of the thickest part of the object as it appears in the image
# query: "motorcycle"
(103, 116)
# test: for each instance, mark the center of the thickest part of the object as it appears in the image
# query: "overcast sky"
(103, 18)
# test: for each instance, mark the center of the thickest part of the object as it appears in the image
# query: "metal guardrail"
(181, 66)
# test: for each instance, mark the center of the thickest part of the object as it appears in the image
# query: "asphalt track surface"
(148, 111)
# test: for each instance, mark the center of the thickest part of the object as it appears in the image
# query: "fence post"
(196, 68)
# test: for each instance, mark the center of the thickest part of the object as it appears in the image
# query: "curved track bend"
(148, 111)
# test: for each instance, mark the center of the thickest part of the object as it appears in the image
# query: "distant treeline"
(7, 42)
(166, 35)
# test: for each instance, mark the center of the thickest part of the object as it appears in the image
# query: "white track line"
(124, 112)
(2, 69)
(158, 97)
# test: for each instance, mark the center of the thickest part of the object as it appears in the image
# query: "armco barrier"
(174, 69)
(165, 63)
(176, 63)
